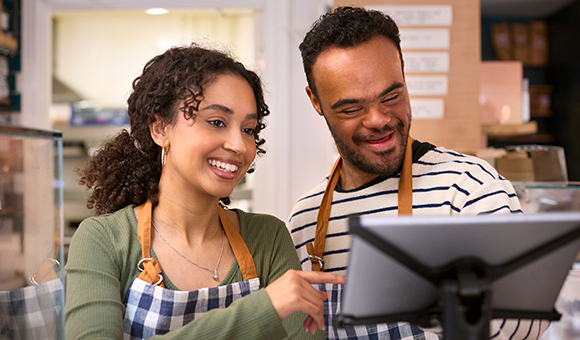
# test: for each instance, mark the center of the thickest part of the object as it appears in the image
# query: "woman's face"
(212, 152)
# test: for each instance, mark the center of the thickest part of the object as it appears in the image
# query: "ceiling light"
(156, 11)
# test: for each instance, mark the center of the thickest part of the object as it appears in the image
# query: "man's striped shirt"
(444, 183)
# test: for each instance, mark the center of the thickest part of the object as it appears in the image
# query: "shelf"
(505, 130)
(538, 138)
(541, 113)
(8, 43)
(7, 212)
(89, 135)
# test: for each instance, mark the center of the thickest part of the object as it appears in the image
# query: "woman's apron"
(33, 312)
(152, 309)
(36, 312)
(316, 249)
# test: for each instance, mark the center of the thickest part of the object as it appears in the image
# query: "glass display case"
(31, 234)
(540, 197)
(548, 196)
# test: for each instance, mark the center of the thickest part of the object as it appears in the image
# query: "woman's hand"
(293, 292)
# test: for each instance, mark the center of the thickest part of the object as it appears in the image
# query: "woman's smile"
(223, 169)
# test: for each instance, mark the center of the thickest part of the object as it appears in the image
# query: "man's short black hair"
(345, 27)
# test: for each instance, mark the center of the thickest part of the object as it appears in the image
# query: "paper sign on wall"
(426, 61)
(424, 38)
(427, 85)
(427, 108)
(437, 15)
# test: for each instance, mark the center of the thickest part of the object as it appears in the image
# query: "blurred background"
(494, 78)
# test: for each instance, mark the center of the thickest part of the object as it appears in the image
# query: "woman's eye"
(217, 123)
(249, 131)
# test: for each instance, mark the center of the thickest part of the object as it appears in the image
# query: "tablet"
(528, 258)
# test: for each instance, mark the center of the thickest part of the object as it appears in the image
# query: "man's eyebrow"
(393, 86)
(342, 102)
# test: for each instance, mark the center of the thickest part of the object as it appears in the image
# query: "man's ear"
(158, 130)
(313, 100)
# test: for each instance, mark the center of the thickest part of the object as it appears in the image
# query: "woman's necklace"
(214, 271)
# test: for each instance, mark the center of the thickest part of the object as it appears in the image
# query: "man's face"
(363, 97)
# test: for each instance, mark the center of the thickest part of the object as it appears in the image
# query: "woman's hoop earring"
(163, 156)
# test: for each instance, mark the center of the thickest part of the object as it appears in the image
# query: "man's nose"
(376, 118)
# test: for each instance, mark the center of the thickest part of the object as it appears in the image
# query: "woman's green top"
(102, 264)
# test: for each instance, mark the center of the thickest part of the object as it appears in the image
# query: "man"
(354, 67)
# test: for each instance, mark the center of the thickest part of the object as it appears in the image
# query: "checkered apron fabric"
(152, 310)
(31, 313)
(383, 331)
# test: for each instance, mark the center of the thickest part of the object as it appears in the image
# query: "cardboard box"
(520, 43)
(516, 166)
(540, 100)
(538, 43)
(502, 42)
(533, 163)
(501, 92)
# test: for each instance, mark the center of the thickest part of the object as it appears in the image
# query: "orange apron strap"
(149, 267)
(405, 196)
(315, 250)
(239, 247)
(405, 204)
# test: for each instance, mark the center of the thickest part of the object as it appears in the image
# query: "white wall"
(300, 151)
(314, 152)
(34, 80)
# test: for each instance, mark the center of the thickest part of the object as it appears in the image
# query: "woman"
(164, 257)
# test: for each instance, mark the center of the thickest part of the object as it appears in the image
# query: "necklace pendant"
(215, 273)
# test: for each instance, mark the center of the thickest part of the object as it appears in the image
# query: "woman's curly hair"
(127, 169)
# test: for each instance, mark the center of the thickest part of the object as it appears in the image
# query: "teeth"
(223, 166)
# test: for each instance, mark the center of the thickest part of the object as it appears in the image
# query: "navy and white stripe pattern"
(444, 183)
(32, 312)
(152, 310)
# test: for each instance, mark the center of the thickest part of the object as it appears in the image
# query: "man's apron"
(315, 251)
(152, 309)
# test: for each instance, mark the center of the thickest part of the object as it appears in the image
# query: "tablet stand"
(465, 289)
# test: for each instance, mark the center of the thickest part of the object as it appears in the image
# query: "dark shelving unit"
(559, 126)
(10, 34)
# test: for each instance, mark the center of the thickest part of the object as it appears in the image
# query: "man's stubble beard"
(389, 163)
